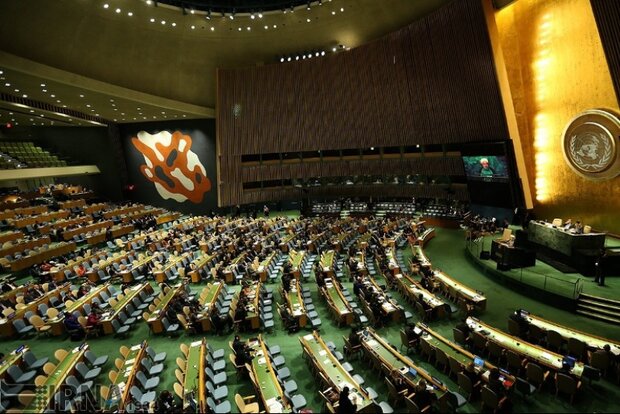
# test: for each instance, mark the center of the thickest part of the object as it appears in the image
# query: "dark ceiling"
(159, 60)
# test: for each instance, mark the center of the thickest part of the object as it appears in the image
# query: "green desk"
(119, 394)
(592, 341)
(336, 375)
(44, 395)
(379, 349)
(194, 381)
(520, 347)
(269, 388)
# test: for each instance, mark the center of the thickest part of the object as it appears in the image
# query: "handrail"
(530, 276)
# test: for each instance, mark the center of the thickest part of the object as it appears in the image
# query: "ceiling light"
(163, 22)
(24, 96)
(208, 14)
(152, 20)
(288, 59)
(111, 100)
(105, 6)
(57, 100)
(342, 9)
(1, 72)
(81, 96)
(260, 15)
(322, 53)
(252, 16)
(184, 116)
(193, 27)
(53, 96)
(333, 13)
(118, 10)
(275, 26)
(88, 105)
(249, 28)
(43, 85)
(239, 29)
(16, 90)
(149, 2)
(212, 28)
(174, 24)
(308, 20)
(7, 84)
(129, 14)
(308, 6)
(281, 59)
(316, 54)
(43, 90)
(297, 57)
(266, 27)
(192, 11)
(232, 16)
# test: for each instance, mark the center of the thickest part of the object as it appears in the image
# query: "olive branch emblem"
(591, 166)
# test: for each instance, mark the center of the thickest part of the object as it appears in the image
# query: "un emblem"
(590, 143)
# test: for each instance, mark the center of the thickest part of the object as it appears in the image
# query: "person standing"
(344, 403)
(599, 275)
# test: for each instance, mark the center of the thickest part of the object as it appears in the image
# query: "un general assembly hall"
(309, 206)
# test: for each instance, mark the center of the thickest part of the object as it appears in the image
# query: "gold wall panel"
(557, 69)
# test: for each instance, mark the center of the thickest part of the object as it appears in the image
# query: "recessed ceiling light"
(129, 14)
(116, 109)
(64, 106)
(341, 9)
(113, 104)
(57, 100)
(239, 29)
(24, 96)
(192, 11)
(184, 116)
(7, 84)
(266, 27)
(118, 10)
(16, 90)
(96, 114)
(53, 96)
(43, 85)
(193, 27)
(122, 113)
(249, 28)
(88, 105)
(1, 72)
(139, 109)
(174, 24)
(333, 13)
(260, 15)
(212, 28)
(81, 96)
(43, 90)
(275, 26)
(111, 100)
(163, 22)
(308, 20)
(149, 2)
(105, 6)
(115, 119)
(152, 20)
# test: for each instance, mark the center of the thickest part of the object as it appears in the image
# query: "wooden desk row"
(10, 235)
(69, 204)
(40, 218)
(6, 325)
(265, 381)
(592, 341)
(57, 323)
(119, 395)
(460, 354)
(154, 320)
(62, 224)
(68, 235)
(194, 389)
(412, 289)
(527, 350)
(44, 394)
(23, 245)
(295, 303)
(334, 373)
(129, 294)
(22, 211)
(207, 299)
(338, 304)
(396, 364)
(41, 254)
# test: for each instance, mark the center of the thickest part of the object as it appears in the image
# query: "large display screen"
(490, 168)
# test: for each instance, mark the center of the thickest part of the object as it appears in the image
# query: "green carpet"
(446, 252)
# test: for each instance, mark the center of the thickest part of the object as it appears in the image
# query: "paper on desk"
(136, 347)
(130, 361)
(308, 337)
(322, 352)
(196, 343)
(261, 360)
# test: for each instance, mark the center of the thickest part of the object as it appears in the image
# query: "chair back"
(599, 360)
(576, 348)
(554, 339)
(534, 373)
(513, 327)
(465, 383)
(459, 336)
(566, 383)
(60, 354)
(489, 398)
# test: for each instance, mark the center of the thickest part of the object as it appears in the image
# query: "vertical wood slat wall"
(607, 16)
(430, 82)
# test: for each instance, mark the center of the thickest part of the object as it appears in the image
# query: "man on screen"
(486, 171)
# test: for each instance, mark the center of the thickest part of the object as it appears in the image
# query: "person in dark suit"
(423, 397)
(344, 403)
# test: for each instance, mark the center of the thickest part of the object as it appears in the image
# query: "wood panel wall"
(431, 82)
(607, 16)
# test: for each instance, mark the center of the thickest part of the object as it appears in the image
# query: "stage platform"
(545, 277)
